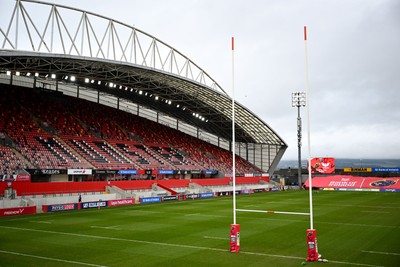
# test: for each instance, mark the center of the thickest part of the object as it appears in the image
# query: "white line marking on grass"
(171, 245)
(50, 259)
(49, 222)
(192, 214)
(106, 227)
(381, 252)
(214, 237)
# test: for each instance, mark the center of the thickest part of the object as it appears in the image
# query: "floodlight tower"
(298, 101)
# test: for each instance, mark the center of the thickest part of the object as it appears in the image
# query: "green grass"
(354, 229)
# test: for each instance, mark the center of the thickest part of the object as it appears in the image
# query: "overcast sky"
(353, 60)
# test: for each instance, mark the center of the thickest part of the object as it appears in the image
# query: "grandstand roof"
(125, 62)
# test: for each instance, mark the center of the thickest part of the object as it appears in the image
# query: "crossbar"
(277, 212)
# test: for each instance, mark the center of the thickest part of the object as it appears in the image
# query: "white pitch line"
(50, 259)
(214, 237)
(49, 222)
(106, 227)
(173, 245)
(381, 252)
(192, 214)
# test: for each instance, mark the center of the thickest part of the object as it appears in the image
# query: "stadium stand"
(48, 130)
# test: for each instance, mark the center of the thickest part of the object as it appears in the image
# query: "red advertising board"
(16, 178)
(354, 182)
(323, 165)
(17, 211)
(121, 202)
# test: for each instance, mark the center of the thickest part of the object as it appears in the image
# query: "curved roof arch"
(118, 59)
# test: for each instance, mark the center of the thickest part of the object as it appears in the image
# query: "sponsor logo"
(357, 169)
(121, 202)
(168, 198)
(89, 205)
(386, 169)
(207, 195)
(192, 196)
(106, 171)
(150, 199)
(128, 172)
(165, 172)
(61, 207)
(80, 171)
(344, 182)
(14, 212)
(18, 211)
(383, 182)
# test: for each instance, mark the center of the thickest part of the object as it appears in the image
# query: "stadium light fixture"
(8, 73)
(298, 101)
(53, 76)
(87, 80)
(156, 98)
(36, 74)
(17, 73)
(73, 78)
(28, 74)
(140, 92)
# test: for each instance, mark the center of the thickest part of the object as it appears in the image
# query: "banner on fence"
(121, 202)
(17, 211)
(60, 207)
